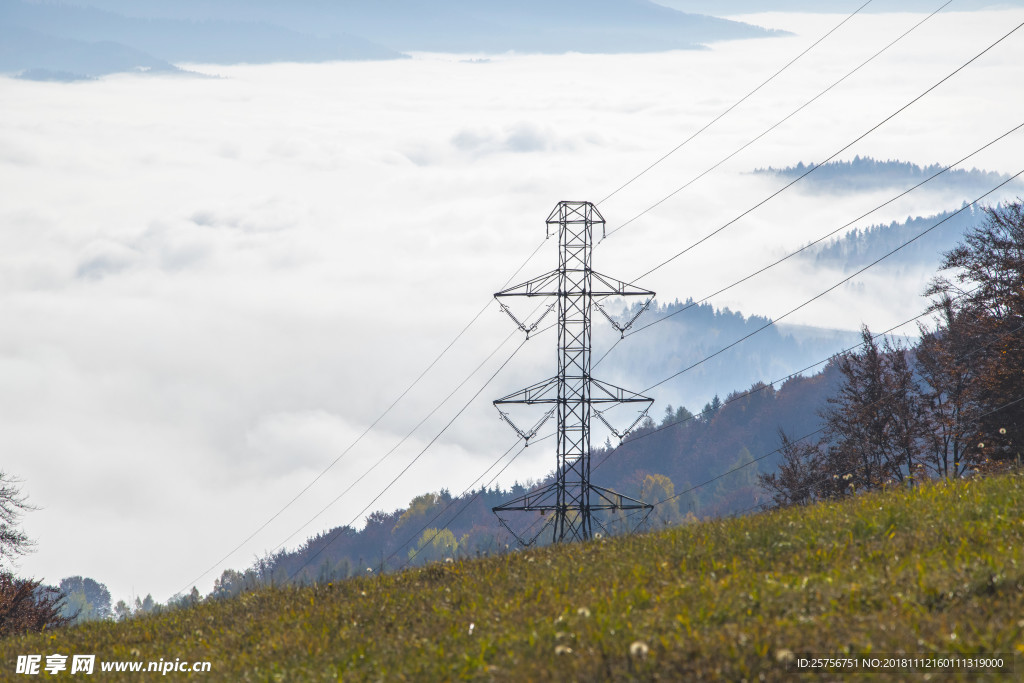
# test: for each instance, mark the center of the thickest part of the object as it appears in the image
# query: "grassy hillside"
(938, 569)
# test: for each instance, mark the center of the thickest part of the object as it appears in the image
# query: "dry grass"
(938, 569)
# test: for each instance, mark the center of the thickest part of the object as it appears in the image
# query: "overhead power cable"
(820, 430)
(832, 475)
(452, 502)
(826, 291)
(372, 425)
(405, 469)
(838, 284)
(841, 282)
(835, 286)
(779, 122)
(670, 425)
(736, 104)
(394, 403)
(677, 423)
(813, 167)
(762, 386)
(811, 170)
(807, 246)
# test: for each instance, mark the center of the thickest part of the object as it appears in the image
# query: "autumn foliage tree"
(951, 405)
(985, 286)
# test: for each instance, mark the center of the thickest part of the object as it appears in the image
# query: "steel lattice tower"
(572, 499)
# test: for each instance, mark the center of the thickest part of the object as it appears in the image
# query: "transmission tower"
(569, 503)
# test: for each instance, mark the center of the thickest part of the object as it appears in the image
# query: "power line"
(445, 351)
(819, 295)
(473, 320)
(736, 398)
(807, 246)
(464, 507)
(764, 386)
(781, 121)
(814, 167)
(854, 469)
(941, 81)
(372, 425)
(837, 285)
(405, 469)
(736, 104)
(809, 435)
(770, 323)
(823, 293)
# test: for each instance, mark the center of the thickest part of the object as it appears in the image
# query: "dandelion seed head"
(583, 612)
(563, 650)
(639, 649)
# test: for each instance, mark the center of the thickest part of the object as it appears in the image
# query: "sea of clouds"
(210, 286)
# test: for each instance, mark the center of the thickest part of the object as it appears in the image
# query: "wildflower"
(1002, 430)
(563, 650)
(639, 649)
(981, 445)
(784, 656)
(583, 612)
(471, 627)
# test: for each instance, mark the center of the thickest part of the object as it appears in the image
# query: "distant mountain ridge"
(730, 7)
(867, 173)
(87, 41)
(467, 25)
(691, 332)
(862, 246)
(262, 31)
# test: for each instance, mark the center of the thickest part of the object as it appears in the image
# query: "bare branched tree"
(13, 503)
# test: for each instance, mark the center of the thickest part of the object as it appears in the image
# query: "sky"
(211, 287)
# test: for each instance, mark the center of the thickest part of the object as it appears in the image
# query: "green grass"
(937, 569)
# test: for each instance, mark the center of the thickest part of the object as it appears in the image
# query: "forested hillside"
(862, 246)
(673, 336)
(661, 460)
(863, 174)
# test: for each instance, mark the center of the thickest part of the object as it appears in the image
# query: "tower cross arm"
(542, 285)
(615, 287)
(541, 392)
(603, 392)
